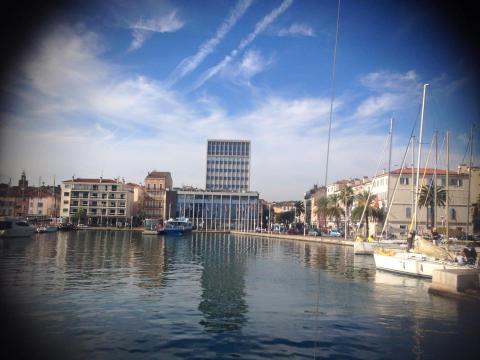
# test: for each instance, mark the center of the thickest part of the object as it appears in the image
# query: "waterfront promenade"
(315, 239)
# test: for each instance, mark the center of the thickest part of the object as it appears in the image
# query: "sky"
(122, 88)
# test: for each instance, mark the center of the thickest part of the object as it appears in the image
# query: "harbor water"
(124, 295)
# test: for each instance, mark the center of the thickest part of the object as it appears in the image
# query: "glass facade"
(219, 210)
(228, 165)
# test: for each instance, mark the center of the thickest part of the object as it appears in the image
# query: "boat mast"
(419, 151)
(435, 135)
(413, 174)
(389, 169)
(446, 178)
(469, 181)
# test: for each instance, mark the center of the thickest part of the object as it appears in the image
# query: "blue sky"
(123, 88)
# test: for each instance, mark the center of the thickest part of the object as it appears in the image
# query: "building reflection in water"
(223, 259)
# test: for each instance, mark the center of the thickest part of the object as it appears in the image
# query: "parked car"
(314, 233)
(336, 233)
(292, 231)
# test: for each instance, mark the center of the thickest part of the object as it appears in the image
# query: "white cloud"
(82, 115)
(190, 63)
(390, 81)
(297, 29)
(379, 105)
(259, 28)
(251, 64)
(143, 29)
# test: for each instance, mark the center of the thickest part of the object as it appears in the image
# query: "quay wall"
(315, 239)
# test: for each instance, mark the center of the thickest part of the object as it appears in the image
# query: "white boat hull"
(412, 264)
(363, 248)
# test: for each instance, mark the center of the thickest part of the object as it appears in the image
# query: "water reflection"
(123, 295)
(223, 285)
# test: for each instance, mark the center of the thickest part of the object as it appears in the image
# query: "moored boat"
(152, 227)
(178, 226)
(11, 227)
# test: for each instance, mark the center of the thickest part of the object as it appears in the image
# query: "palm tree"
(427, 199)
(476, 216)
(366, 201)
(346, 199)
(334, 210)
(299, 207)
(320, 208)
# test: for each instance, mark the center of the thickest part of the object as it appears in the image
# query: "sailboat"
(426, 257)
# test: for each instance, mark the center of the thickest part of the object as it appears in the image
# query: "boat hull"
(412, 264)
(17, 233)
(176, 231)
(362, 248)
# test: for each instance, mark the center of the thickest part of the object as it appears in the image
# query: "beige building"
(44, 204)
(98, 201)
(159, 197)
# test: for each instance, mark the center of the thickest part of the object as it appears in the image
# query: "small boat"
(15, 227)
(66, 227)
(153, 227)
(47, 229)
(178, 226)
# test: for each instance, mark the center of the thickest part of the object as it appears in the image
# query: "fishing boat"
(12, 227)
(153, 227)
(178, 226)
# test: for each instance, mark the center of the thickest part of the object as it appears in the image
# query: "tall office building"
(228, 165)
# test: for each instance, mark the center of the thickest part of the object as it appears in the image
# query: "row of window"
(94, 203)
(97, 211)
(215, 177)
(227, 170)
(452, 211)
(85, 195)
(443, 181)
(228, 148)
(154, 186)
(227, 161)
(229, 187)
(91, 187)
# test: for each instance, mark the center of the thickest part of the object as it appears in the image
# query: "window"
(66, 194)
(408, 213)
(453, 214)
(65, 210)
(404, 181)
(65, 202)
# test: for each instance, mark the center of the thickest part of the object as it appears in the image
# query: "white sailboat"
(425, 257)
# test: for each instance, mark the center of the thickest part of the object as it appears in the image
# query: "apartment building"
(228, 165)
(99, 201)
(158, 195)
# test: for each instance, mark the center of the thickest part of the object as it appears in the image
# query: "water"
(115, 295)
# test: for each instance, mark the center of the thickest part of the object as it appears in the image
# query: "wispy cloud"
(144, 29)
(251, 64)
(297, 29)
(390, 81)
(189, 64)
(259, 28)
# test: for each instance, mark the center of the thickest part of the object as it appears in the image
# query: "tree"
(346, 199)
(427, 199)
(334, 210)
(284, 217)
(81, 215)
(365, 202)
(299, 207)
(320, 208)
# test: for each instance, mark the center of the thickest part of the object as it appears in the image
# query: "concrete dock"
(314, 239)
(456, 283)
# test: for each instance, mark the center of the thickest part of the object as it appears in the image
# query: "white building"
(104, 201)
(228, 165)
